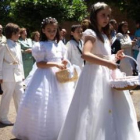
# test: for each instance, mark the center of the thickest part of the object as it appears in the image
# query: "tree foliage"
(132, 7)
(29, 13)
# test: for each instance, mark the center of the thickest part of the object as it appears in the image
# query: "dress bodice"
(100, 48)
(49, 51)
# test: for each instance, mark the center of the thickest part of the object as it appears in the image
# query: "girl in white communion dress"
(45, 103)
(97, 111)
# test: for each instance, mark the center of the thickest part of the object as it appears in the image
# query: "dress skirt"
(43, 107)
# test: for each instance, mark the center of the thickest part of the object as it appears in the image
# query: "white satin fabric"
(45, 103)
(97, 111)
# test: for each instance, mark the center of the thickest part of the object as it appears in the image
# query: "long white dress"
(45, 103)
(98, 112)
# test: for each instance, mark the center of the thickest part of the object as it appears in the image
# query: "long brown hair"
(93, 18)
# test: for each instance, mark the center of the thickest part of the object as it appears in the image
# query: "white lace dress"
(97, 111)
(45, 103)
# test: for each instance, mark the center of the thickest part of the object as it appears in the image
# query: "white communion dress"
(45, 103)
(97, 111)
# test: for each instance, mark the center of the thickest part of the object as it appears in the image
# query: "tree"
(130, 6)
(29, 13)
(4, 11)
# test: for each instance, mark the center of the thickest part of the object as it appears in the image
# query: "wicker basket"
(129, 87)
(63, 76)
(126, 88)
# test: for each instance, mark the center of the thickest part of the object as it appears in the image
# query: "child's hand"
(65, 62)
(112, 65)
(120, 55)
(28, 51)
(61, 66)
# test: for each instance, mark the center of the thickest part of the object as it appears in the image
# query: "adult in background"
(63, 33)
(115, 43)
(75, 46)
(26, 46)
(85, 24)
(35, 36)
(126, 64)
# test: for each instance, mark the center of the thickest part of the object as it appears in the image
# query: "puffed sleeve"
(38, 52)
(90, 33)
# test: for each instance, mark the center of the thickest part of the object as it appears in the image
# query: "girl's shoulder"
(71, 42)
(40, 46)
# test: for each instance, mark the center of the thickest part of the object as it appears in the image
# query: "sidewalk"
(5, 131)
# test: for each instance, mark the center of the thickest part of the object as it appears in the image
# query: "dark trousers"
(1, 90)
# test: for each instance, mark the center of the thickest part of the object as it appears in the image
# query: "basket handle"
(127, 56)
(70, 69)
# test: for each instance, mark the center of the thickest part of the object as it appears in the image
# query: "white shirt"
(73, 54)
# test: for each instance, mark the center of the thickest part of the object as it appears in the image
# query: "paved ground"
(5, 131)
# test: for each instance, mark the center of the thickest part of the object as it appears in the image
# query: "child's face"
(15, 36)
(77, 34)
(50, 31)
(103, 17)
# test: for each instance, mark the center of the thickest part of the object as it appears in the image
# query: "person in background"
(35, 36)
(63, 33)
(126, 64)
(85, 24)
(26, 46)
(136, 46)
(137, 38)
(2, 39)
(75, 46)
(115, 43)
(11, 71)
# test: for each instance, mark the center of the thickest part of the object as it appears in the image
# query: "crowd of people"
(50, 110)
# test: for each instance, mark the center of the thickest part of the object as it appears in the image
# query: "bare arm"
(90, 57)
(44, 65)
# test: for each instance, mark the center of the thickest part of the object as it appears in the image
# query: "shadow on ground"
(139, 125)
(4, 125)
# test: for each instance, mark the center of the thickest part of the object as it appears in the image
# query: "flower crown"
(48, 20)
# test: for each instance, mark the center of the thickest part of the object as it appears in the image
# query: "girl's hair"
(34, 34)
(10, 29)
(123, 23)
(93, 19)
(73, 28)
(44, 23)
